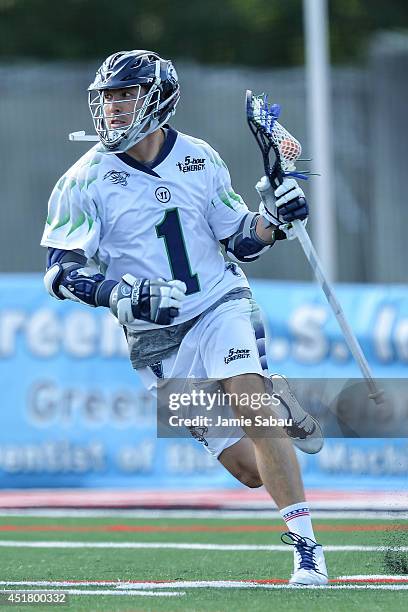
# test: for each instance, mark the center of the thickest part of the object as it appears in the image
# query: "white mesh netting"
(289, 148)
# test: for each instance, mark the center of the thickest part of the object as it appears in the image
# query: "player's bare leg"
(240, 460)
(275, 455)
(280, 473)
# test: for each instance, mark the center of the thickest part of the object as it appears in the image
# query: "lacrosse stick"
(269, 134)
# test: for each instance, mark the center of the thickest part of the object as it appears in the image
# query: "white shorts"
(225, 342)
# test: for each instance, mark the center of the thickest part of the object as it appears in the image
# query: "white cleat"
(305, 431)
(309, 564)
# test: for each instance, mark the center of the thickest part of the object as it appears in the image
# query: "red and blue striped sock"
(297, 519)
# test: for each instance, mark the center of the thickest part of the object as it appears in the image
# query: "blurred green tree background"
(245, 32)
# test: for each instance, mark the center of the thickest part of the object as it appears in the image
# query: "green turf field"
(203, 564)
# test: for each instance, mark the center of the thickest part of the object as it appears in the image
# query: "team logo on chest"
(163, 195)
(191, 164)
(117, 178)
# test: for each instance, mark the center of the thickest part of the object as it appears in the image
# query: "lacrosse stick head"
(270, 134)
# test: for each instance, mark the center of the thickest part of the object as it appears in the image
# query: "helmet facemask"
(157, 93)
(141, 119)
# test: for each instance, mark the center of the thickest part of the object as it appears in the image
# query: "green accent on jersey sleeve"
(56, 223)
(227, 208)
(90, 180)
(61, 183)
(96, 160)
(216, 160)
(79, 221)
(225, 199)
(228, 198)
(235, 196)
(73, 221)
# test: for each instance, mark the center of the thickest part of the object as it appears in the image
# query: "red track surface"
(224, 498)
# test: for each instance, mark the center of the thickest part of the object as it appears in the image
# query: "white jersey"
(164, 220)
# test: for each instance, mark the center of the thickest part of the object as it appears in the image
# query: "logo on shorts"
(157, 368)
(234, 354)
(198, 433)
(117, 178)
(191, 164)
(162, 194)
(232, 267)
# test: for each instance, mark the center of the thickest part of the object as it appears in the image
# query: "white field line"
(100, 592)
(203, 514)
(142, 584)
(223, 584)
(190, 546)
(336, 587)
(174, 584)
(371, 577)
(216, 585)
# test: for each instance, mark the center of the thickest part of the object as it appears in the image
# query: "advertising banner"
(74, 413)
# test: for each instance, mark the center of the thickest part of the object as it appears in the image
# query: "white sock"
(297, 519)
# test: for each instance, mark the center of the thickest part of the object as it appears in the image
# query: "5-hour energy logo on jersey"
(237, 354)
(191, 164)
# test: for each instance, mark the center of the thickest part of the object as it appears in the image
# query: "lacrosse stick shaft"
(351, 340)
(269, 134)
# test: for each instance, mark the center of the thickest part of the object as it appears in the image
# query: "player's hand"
(156, 301)
(291, 203)
(284, 205)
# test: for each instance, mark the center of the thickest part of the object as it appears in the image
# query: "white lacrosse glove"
(283, 205)
(139, 299)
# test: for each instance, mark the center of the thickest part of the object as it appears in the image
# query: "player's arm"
(254, 236)
(247, 235)
(258, 232)
(70, 276)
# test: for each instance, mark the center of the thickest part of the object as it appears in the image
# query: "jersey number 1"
(170, 229)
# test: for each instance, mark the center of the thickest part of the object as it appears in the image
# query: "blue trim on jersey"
(169, 143)
(129, 161)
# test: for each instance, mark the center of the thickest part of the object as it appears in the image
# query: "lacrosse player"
(135, 226)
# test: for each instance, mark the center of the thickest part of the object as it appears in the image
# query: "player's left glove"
(284, 205)
(156, 301)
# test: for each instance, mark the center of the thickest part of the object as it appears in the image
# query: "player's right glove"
(156, 301)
